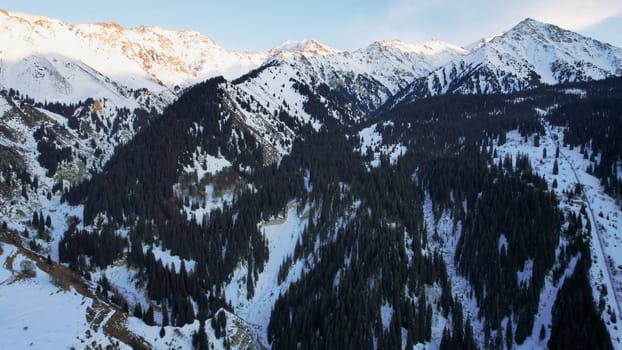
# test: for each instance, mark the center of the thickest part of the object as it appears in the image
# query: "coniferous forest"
(374, 267)
(159, 191)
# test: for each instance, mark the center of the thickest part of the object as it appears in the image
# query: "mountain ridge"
(153, 58)
(274, 208)
(372, 79)
(528, 55)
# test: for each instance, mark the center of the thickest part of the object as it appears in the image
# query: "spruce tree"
(509, 337)
(138, 310)
(445, 340)
(165, 321)
(202, 343)
(35, 219)
(148, 317)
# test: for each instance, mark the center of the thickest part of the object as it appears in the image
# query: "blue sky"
(342, 24)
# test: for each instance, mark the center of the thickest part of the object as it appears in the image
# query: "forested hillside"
(374, 264)
(392, 197)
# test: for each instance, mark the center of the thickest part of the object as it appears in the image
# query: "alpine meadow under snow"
(160, 191)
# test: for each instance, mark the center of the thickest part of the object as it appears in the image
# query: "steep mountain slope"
(516, 132)
(528, 55)
(47, 60)
(319, 85)
(268, 211)
(84, 60)
(307, 84)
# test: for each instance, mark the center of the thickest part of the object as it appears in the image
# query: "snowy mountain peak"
(549, 34)
(25, 16)
(555, 54)
(434, 46)
(307, 47)
(530, 54)
(530, 28)
(430, 47)
(479, 43)
(394, 44)
(36, 49)
(114, 26)
(316, 48)
(528, 21)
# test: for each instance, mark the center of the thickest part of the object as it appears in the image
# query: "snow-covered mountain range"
(72, 95)
(146, 68)
(528, 55)
(358, 82)
(49, 60)
(316, 85)
(52, 60)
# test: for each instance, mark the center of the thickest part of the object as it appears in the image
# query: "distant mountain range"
(529, 55)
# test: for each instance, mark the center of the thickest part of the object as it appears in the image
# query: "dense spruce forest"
(595, 125)
(373, 267)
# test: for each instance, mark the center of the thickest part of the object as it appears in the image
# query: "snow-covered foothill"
(37, 314)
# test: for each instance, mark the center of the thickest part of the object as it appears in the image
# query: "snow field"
(38, 315)
(281, 234)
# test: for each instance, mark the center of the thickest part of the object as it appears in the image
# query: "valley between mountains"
(160, 191)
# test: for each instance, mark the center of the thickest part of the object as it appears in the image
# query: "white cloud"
(462, 21)
(576, 15)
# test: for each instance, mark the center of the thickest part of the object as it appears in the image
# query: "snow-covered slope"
(104, 59)
(530, 54)
(34, 294)
(32, 299)
(144, 67)
(391, 62)
(605, 236)
(350, 85)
